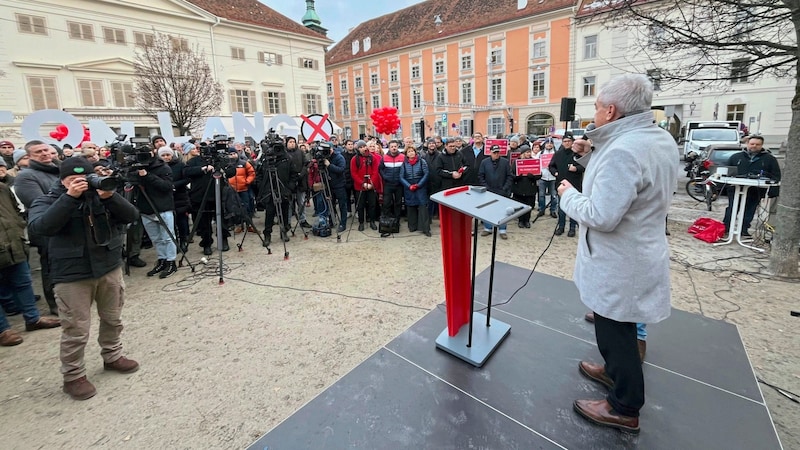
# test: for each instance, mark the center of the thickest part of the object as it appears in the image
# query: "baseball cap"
(495, 148)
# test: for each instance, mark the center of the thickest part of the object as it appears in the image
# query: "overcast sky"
(338, 16)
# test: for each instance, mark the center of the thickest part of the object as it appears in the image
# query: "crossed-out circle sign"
(316, 127)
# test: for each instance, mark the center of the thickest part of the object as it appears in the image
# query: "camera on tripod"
(127, 156)
(271, 146)
(215, 153)
(321, 151)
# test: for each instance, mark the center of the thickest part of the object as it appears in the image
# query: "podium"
(460, 210)
(741, 185)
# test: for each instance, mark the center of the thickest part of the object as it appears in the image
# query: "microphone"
(511, 210)
(589, 127)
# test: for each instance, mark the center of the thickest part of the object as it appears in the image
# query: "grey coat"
(622, 263)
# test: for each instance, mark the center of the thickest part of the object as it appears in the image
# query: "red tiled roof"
(415, 24)
(255, 13)
(588, 8)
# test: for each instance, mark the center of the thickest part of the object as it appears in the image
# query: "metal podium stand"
(460, 210)
(741, 185)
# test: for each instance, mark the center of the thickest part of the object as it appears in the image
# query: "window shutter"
(108, 34)
(318, 103)
(283, 103)
(232, 99)
(279, 60)
(38, 25)
(74, 30)
(25, 24)
(300, 62)
(315, 65)
(261, 57)
(252, 104)
(88, 32)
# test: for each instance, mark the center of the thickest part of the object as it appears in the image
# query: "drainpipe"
(214, 48)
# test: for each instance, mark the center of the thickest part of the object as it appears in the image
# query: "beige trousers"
(75, 311)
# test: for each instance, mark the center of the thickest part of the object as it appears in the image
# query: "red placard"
(514, 156)
(488, 143)
(546, 158)
(529, 166)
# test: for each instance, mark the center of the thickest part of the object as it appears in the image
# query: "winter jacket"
(34, 181)
(434, 182)
(473, 164)
(761, 164)
(361, 166)
(390, 168)
(348, 156)
(546, 174)
(13, 249)
(180, 194)
(417, 173)
(245, 175)
(202, 181)
(337, 170)
(622, 262)
(283, 178)
(524, 185)
(80, 248)
(496, 176)
(158, 186)
(445, 165)
(559, 167)
(299, 165)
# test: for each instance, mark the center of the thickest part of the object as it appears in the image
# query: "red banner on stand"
(529, 166)
(488, 143)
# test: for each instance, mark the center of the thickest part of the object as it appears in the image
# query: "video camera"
(320, 150)
(215, 153)
(272, 147)
(127, 156)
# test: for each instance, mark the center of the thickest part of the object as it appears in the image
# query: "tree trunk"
(784, 258)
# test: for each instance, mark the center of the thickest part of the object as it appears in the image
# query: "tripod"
(276, 189)
(333, 216)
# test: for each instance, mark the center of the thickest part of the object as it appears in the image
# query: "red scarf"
(412, 161)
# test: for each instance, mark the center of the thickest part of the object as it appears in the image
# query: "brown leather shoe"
(10, 338)
(80, 389)
(589, 317)
(642, 349)
(595, 372)
(42, 323)
(601, 413)
(122, 365)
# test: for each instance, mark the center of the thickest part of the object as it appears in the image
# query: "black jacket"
(284, 178)
(348, 179)
(80, 248)
(559, 167)
(445, 165)
(299, 164)
(434, 181)
(762, 164)
(201, 180)
(473, 163)
(524, 185)
(180, 194)
(157, 184)
(496, 176)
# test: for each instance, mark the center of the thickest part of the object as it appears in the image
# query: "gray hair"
(630, 93)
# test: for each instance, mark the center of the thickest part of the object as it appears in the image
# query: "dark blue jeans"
(16, 285)
(562, 220)
(752, 199)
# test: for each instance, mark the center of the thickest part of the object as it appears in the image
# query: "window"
(179, 44)
(31, 24)
(114, 35)
(735, 112)
(143, 39)
(740, 70)
(414, 71)
(242, 101)
(416, 99)
(308, 63)
(330, 87)
(331, 109)
(343, 84)
(91, 92)
(655, 77)
(416, 130)
(466, 92)
(355, 46)
(496, 93)
(43, 93)
(440, 96)
(496, 57)
(588, 86)
(395, 99)
(367, 44)
(270, 58)
(82, 31)
(540, 49)
(360, 106)
(497, 125)
(466, 62)
(393, 75)
(537, 89)
(237, 53)
(464, 127)
(311, 103)
(358, 82)
(376, 101)
(275, 102)
(345, 107)
(438, 67)
(122, 93)
(590, 47)
(373, 79)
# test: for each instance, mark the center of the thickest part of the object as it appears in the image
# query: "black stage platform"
(701, 390)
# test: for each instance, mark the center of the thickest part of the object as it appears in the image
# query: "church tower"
(311, 19)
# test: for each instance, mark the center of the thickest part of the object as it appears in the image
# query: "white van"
(700, 135)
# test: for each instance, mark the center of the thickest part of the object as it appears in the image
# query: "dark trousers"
(752, 199)
(135, 231)
(204, 228)
(392, 198)
(271, 211)
(562, 220)
(418, 219)
(367, 200)
(617, 343)
(340, 197)
(182, 225)
(350, 194)
(246, 200)
(529, 200)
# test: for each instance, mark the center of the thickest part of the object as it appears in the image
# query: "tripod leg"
(161, 223)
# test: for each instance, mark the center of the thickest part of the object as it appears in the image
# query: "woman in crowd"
(414, 175)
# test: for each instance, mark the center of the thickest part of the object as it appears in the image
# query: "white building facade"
(77, 56)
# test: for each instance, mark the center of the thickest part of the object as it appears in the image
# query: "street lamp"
(692, 106)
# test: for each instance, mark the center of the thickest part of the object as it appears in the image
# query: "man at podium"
(622, 262)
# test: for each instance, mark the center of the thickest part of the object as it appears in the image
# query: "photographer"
(333, 173)
(155, 181)
(86, 230)
(200, 172)
(275, 177)
(300, 161)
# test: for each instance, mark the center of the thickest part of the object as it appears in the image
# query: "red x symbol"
(316, 127)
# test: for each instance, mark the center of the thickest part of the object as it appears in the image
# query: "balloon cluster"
(385, 120)
(62, 131)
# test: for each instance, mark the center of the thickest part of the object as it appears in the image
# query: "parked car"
(719, 155)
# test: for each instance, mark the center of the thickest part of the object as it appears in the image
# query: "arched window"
(539, 124)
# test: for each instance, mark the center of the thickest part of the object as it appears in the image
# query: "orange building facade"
(502, 78)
